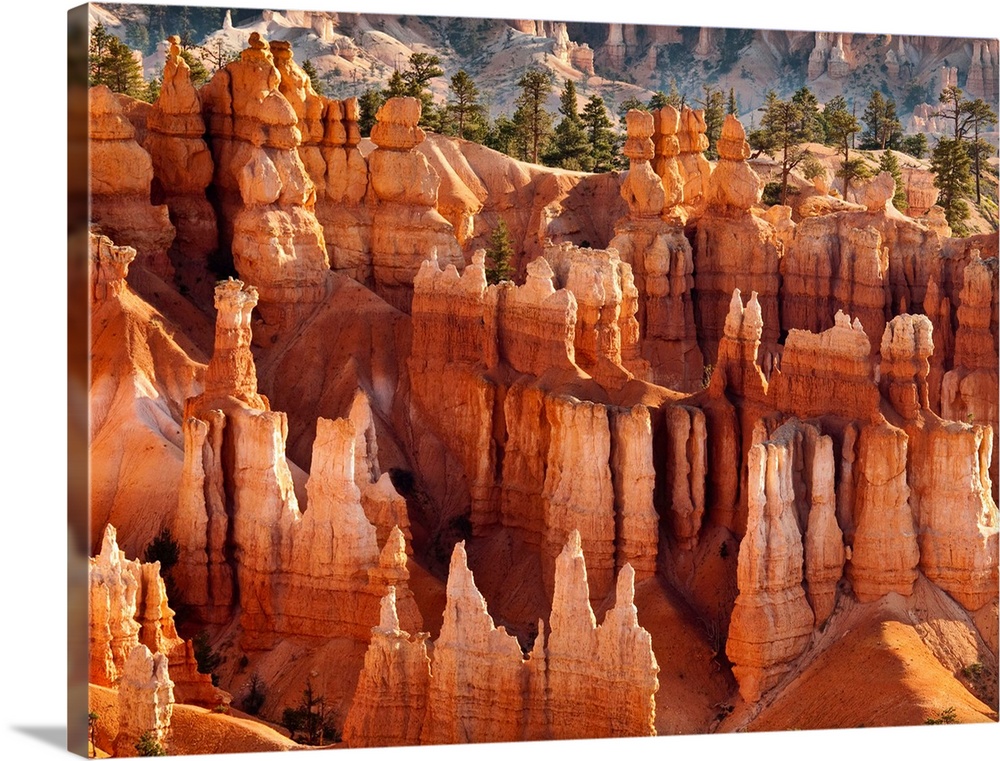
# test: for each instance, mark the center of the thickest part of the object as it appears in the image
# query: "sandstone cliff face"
(182, 170)
(145, 701)
(686, 469)
(266, 196)
(121, 173)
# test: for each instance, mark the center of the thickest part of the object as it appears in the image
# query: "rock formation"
(587, 681)
(600, 679)
(686, 469)
(182, 170)
(733, 183)
(266, 196)
(772, 620)
(391, 697)
(121, 174)
(406, 226)
(658, 253)
(476, 688)
(145, 701)
(693, 143)
(128, 608)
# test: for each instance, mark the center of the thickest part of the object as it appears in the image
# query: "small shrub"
(148, 745)
(947, 716)
(311, 719)
(208, 660)
(221, 708)
(706, 375)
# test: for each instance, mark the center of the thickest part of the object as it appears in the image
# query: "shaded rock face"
(586, 681)
(266, 197)
(182, 170)
(121, 174)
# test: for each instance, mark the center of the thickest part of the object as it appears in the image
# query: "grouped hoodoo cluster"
(623, 402)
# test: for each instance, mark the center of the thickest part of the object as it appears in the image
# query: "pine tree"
(840, 125)
(731, 107)
(199, 74)
(951, 165)
(781, 134)
(882, 127)
(466, 114)
(914, 145)
(534, 123)
(310, 70)
(600, 135)
(979, 115)
(369, 103)
(498, 254)
(113, 64)
(423, 67)
(714, 107)
(570, 148)
(889, 163)
(502, 135)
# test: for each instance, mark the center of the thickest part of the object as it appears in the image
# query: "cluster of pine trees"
(787, 126)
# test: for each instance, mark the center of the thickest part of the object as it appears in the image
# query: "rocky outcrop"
(686, 469)
(121, 174)
(266, 196)
(969, 391)
(733, 184)
(182, 170)
(342, 210)
(390, 700)
(834, 264)
(145, 701)
(735, 252)
(606, 335)
(477, 673)
(406, 226)
(531, 328)
(694, 167)
(600, 679)
(634, 478)
(129, 608)
(658, 253)
(885, 554)
(826, 373)
(771, 621)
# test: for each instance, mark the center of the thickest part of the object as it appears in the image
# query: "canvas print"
(464, 380)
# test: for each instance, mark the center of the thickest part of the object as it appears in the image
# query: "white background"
(33, 350)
